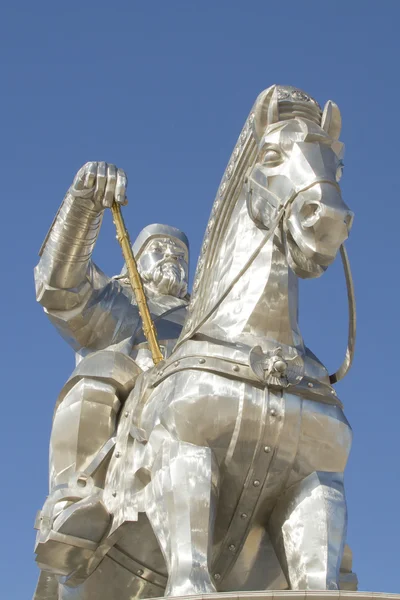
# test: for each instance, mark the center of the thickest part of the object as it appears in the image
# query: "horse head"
(278, 212)
(296, 177)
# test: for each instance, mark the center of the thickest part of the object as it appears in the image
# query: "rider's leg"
(181, 510)
(308, 530)
(82, 424)
(74, 518)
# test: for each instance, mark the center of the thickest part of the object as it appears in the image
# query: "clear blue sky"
(162, 89)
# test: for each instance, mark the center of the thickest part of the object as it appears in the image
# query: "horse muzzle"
(319, 221)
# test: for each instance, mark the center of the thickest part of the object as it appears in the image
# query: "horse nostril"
(309, 213)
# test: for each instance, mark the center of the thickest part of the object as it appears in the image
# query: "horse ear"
(331, 121)
(266, 111)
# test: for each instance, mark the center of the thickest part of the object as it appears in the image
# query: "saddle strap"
(308, 388)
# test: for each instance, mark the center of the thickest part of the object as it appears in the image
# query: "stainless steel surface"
(221, 468)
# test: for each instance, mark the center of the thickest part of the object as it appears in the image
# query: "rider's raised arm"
(89, 309)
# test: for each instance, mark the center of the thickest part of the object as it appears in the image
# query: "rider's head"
(162, 256)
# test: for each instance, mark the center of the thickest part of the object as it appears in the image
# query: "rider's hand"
(101, 183)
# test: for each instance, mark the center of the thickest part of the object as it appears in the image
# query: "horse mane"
(242, 157)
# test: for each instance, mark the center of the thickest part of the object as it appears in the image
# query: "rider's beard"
(167, 277)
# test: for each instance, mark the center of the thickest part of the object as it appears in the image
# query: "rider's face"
(164, 264)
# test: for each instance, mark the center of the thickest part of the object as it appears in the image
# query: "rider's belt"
(308, 388)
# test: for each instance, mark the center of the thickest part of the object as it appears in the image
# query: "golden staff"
(136, 283)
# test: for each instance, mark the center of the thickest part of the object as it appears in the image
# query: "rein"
(349, 356)
(238, 276)
(351, 336)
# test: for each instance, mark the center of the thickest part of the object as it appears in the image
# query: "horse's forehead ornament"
(282, 103)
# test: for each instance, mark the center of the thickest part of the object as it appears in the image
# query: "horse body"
(239, 451)
(265, 442)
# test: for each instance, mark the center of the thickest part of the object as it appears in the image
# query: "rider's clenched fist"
(101, 183)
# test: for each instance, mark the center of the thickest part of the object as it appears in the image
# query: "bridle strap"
(351, 303)
(351, 338)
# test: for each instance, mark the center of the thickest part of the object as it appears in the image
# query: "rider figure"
(98, 314)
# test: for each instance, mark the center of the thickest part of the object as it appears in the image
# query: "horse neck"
(262, 307)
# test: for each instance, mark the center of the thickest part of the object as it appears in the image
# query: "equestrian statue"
(199, 446)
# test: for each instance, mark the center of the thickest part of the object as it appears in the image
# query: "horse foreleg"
(308, 530)
(181, 507)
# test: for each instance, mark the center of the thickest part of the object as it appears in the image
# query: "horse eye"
(339, 171)
(272, 157)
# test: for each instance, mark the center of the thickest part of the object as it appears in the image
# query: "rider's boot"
(308, 531)
(74, 519)
(184, 490)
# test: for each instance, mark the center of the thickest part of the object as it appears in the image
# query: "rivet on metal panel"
(217, 576)
(256, 483)
(267, 449)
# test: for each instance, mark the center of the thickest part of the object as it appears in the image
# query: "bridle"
(351, 302)
(282, 213)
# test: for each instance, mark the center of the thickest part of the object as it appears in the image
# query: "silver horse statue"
(227, 472)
